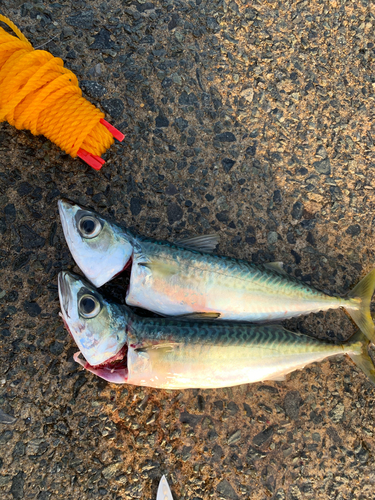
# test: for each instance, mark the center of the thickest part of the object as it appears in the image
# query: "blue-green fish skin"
(172, 280)
(173, 353)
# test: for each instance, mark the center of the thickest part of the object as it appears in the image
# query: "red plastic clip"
(94, 161)
(116, 133)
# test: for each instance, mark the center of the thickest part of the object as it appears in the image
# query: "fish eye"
(89, 306)
(89, 226)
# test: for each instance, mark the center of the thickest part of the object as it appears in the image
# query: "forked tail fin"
(361, 315)
(363, 360)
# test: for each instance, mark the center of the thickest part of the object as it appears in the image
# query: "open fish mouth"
(113, 370)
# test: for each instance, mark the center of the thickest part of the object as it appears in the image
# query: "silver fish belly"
(182, 366)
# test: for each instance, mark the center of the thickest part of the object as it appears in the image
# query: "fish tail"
(362, 359)
(360, 308)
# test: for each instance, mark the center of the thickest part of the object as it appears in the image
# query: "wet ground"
(251, 119)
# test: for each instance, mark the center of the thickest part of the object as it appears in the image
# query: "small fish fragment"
(164, 492)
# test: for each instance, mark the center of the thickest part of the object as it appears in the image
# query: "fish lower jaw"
(114, 370)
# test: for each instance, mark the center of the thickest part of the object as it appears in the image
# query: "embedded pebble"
(6, 419)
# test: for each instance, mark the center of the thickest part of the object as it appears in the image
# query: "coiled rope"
(37, 93)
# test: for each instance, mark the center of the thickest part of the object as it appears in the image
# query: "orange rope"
(37, 93)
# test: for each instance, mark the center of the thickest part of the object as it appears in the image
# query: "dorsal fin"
(204, 243)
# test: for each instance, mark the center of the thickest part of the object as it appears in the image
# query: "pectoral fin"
(143, 345)
(161, 346)
(163, 269)
(199, 315)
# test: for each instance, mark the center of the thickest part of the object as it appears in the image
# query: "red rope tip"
(94, 161)
(116, 133)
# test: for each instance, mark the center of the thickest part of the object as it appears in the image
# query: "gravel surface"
(251, 119)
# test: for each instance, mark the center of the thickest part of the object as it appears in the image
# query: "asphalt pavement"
(250, 119)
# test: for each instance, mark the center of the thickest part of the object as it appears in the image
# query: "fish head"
(98, 327)
(100, 248)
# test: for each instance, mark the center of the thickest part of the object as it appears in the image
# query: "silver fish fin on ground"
(363, 360)
(164, 492)
(276, 266)
(140, 257)
(363, 293)
(199, 315)
(205, 243)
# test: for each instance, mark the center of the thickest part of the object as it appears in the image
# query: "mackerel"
(180, 279)
(170, 353)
